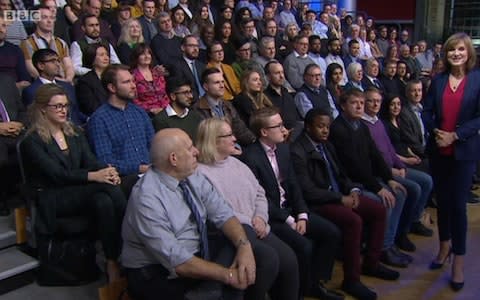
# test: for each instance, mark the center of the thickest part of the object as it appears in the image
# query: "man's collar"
(171, 112)
(370, 119)
(298, 55)
(212, 102)
(91, 41)
(45, 80)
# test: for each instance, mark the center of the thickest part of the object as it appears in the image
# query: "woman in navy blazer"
(452, 119)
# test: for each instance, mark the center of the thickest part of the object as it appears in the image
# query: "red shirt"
(451, 103)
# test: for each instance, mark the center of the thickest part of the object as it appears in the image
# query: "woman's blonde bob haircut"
(206, 143)
(36, 111)
(453, 41)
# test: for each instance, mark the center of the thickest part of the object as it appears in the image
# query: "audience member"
(216, 57)
(151, 94)
(333, 81)
(59, 162)
(93, 8)
(335, 56)
(119, 17)
(275, 261)
(388, 79)
(13, 61)
(355, 76)
(252, 97)
(382, 40)
(213, 105)
(13, 120)
(313, 238)
(330, 193)
(178, 113)
(223, 34)
(165, 44)
(90, 91)
(91, 28)
(43, 38)
(296, 62)
(353, 53)
(315, 53)
(120, 132)
(47, 63)
(148, 21)
(418, 184)
(189, 66)
(179, 22)
(366, 166)
(129, 38)
(244, 61)
(165, 245)
(15, 30)
(282, 99)
(312, 94)
(371, 74)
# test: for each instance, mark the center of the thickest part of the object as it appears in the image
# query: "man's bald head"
(172, 152)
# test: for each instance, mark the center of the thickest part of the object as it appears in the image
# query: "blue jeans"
(419, 187)
(393, 214)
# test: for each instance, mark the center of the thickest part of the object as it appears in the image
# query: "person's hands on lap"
(259, 226)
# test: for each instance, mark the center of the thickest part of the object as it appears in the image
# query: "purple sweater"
(384, 145)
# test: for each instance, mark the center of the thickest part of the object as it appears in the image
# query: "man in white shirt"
(91, 28)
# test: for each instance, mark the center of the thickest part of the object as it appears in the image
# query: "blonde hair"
(259, 100)
(36, 111)
(450, 44)
(206, 141)
(125, 33)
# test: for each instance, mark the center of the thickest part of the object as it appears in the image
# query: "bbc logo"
(22, 15)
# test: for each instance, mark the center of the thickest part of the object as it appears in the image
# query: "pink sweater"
(237, 184)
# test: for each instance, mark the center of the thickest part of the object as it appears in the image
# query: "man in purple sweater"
(418, 184)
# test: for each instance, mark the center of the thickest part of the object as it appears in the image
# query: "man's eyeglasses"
(276, 126)
(188, 92)
(54, 60)
(59, 107)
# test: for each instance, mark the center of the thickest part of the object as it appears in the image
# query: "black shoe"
(359, 290)
(473, 199)
(381, 272)
(419, 229)
(322, 293)
(391, 258)
(397, 251)
(456, 286)
(404, 243)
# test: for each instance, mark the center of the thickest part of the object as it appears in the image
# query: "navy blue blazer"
(255, 157)
(76, 116)
(468, 122)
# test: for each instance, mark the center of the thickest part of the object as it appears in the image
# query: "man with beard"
(178, 114)
(119, 131)
(189, 67)
(91, 28)
(335, 56)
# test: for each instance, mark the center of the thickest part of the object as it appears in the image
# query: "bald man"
(165, 251)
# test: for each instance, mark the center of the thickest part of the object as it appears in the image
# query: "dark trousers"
(452, 180)
(276, 268)
(315, 250)
(152, 283)
(105, 203)
(350, 221)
